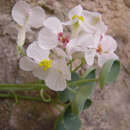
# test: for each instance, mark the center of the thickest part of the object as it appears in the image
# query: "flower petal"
(71, 48)
(61, 66)
(37, 53)
(104, 57)
(47, 39)
(20, 12)
(89, 56)
(54, 24)
(75, 11)
(60, 52)
(27, 64)
(39, 73)
(37, 17)
(55, 80)
(86, 41)
(93, 22)
(108, 44)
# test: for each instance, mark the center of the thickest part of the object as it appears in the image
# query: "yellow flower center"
(45, 64)
(79, 17)
(95, 20)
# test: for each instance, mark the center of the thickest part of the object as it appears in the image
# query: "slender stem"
(22, 87)
(72, 90)
(77, 68)
(78, 82)
(82, 62)
(15, 96)
(43, 97)
(70, 62)
(20, 97)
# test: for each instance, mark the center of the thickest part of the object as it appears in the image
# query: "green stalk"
(72, 90)
(78, 82)
(20, 97)
(22, 87)
(78, 67)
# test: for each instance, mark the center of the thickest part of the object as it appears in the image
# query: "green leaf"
(67, 121)
(59, 124)
(87, 104)
(66, 95)
(84, 92)
(109, 72)
(89, 74)
(71, 122)
(75, 76)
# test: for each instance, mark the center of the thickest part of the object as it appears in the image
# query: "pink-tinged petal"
(108, 44)
(20, 12)
(105, 57)
(89, 56)
(55, 80)
(54, 24)
(27, 64)
(37, 17)
(37, 53)
(47, 39)
(75, 11)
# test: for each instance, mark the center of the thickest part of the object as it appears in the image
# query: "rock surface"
(111, 107)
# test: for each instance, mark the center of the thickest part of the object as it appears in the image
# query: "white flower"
(55, 73)
(27, 17)
(90, 45)
(52, 35)
(91, 22)
(104, 50)
(81, 43)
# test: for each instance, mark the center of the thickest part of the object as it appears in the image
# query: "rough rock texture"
(111, 107)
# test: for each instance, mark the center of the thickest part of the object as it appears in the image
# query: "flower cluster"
(49, 56)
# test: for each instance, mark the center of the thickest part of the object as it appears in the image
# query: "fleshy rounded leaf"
(71, 122)
(84, 92)
(109, 72)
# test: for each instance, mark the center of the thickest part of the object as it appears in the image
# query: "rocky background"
(111, 107)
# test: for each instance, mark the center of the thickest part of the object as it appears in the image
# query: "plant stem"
(21, 97)
(22, 87)
(72, 90)
(82, 62)
(77, 68)
(78, 82)
(70, 61)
